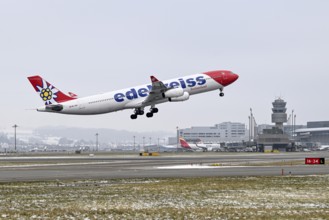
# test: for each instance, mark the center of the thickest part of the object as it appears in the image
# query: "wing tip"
(154, 79)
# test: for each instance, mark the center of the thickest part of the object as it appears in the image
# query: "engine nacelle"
(182, 98)
(172, 93)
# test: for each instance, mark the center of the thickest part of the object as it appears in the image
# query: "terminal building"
(316, 133)
(219, 133)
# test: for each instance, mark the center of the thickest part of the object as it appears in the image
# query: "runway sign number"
(314, 161)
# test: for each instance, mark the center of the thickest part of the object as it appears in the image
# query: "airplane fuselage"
(137, 97)
(133, 97)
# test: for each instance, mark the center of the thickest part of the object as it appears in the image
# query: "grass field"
(295, 197)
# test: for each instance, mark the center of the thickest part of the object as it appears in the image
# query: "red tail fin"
(48, 93)
(183, 143)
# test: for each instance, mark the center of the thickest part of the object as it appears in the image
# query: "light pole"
(177, 137)
(134, 144)
(149, 144)
(97, 141)
(249, 131)
(164, 142)
(143, 143)
(251, 126)
(292, 125)
(15, 126)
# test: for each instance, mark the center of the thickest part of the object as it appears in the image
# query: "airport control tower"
(274, 138)
(279, 115)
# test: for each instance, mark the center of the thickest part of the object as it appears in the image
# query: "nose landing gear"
(221, 94)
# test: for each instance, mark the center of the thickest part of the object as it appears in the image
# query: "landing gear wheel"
(221, 94)
(155, 110)
(149, 114)
(133, 116)
(138, 111)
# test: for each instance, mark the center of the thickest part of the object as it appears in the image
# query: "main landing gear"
(152, 111)
(140, 111)
(221, 94)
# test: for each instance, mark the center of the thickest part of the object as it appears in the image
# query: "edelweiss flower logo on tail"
(48, 93)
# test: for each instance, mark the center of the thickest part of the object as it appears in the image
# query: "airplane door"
(81, 105)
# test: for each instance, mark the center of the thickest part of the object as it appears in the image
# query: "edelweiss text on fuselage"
(143, 92)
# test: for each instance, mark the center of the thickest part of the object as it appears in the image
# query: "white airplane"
(213, 146)
(192, 146)
(324, 147)
(137, 98)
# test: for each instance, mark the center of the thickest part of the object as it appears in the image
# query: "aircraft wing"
(158, 88)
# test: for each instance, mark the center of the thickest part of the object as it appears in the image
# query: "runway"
(107, 166)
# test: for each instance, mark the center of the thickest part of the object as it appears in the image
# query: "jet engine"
(172, 93)
(182, 98)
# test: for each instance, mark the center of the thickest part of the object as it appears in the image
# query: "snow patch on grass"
(181, 198)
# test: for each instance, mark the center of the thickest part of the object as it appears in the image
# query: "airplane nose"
(230, 78)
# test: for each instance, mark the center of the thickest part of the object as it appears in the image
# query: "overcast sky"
(278, 48)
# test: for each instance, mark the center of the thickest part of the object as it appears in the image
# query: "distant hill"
(105, 134)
